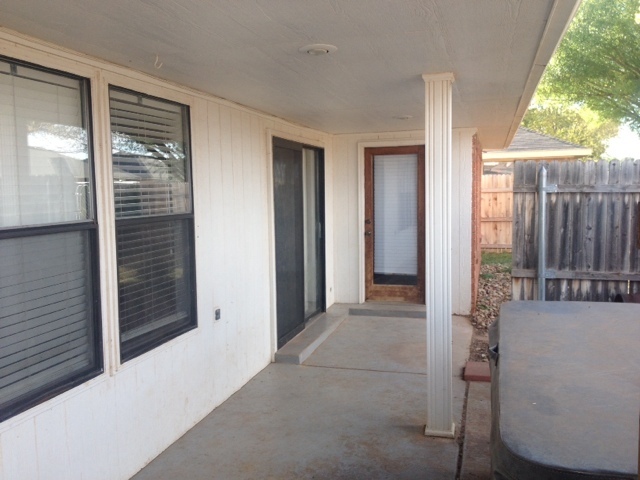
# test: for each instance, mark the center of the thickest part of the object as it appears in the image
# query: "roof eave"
(559, 20)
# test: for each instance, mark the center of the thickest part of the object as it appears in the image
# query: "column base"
(441, 433)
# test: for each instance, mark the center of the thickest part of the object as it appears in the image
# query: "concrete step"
(298, 349)
(393, 310)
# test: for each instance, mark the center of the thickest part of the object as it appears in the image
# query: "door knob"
(368, 234)
(368, 221)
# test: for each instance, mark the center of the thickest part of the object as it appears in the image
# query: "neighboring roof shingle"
(526, 139)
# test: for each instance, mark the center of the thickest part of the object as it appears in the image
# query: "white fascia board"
(536, 154)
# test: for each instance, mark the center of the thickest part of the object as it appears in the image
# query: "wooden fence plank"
(496, 204)
(593, 230)
(579, 188)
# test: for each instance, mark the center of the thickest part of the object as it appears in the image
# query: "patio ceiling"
(247, 51)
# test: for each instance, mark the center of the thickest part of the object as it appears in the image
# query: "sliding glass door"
(299, 223)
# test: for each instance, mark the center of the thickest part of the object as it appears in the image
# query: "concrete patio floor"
(354, 409)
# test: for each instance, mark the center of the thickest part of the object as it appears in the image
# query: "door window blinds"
(396, 218)
(154, 220)
(49, 330)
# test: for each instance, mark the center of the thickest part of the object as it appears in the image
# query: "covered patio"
(353, 409)
(187, 118)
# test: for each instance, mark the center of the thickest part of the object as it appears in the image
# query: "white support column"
(438, 254)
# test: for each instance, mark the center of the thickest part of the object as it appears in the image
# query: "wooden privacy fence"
(592, 230)
(496, 203)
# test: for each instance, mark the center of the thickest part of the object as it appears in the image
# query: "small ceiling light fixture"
(318, 49)
(402, 117)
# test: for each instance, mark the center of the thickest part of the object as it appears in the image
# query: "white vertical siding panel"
(206, 154)
(239, 252)
(202, 191)
(149, 404)
(230, 268)
(18, 450)
(250, 237)
(340, 181)
(462, 181)
(135, 413)
(217, 243)
(198, 353)
(52, 457)
(90, 426)
(259, 267)
(173, 389)
(353, 224)
(329, 224)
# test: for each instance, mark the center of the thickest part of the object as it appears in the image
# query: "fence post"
(542, 230)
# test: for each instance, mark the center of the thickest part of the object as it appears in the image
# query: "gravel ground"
(493, 290)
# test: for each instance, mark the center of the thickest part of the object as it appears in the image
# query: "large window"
(154, 220)
(49, 316)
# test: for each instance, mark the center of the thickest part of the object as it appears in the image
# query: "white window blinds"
(396, 218)
(154, 227)
(44, 173)
(49, 323)
(149, 156)
(45, 297)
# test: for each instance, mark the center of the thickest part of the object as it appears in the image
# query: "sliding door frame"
(320, 147)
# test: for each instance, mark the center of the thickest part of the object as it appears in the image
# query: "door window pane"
(396, 219)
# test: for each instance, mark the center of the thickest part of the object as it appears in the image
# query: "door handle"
(367, 221)
(368, 234)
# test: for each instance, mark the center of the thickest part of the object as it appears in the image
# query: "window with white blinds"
(49, 323)
(154, 220)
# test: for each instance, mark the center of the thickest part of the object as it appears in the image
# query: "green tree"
(598, 62)
(572, 123)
